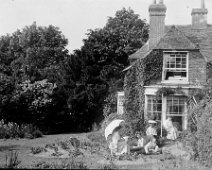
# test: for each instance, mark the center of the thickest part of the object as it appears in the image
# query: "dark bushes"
(13, 130)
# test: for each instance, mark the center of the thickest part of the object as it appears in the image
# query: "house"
(186, 51)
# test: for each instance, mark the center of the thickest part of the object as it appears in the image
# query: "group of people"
(146, 144)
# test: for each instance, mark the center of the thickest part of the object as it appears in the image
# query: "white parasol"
(110, 128)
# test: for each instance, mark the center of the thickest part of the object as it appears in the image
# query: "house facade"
(186, 50)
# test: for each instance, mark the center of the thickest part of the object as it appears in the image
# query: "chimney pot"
(199, 17)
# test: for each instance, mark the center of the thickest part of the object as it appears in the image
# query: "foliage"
(37, 150)
(42, 84)
(65, 164)
(144, 72)
(102, 58)
(13, 130)
(165, 91)
(27, 57)
(97, 137)
(200, 137)
(11, 160)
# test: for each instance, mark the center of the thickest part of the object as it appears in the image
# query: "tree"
(31, 55)
(102, 58)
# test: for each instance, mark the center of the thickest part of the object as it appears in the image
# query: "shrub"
(52, 146)
(65, 164)
(64, 145)
(97, 137)
(109, 166)
(200, 138)
(37, 133)
(11, 160)
(13, 130)
(37, 150)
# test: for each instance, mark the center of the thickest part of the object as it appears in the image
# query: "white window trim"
(184, 115)
(146, 104)
(176, 81)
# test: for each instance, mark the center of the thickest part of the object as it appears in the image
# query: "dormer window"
(175, 67)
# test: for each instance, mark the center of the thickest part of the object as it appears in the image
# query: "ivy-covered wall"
(148, 71)
(145, 71)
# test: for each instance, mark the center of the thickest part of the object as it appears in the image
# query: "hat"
(152, 122)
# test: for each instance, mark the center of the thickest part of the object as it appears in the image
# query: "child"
(151, 146)
(140, 142)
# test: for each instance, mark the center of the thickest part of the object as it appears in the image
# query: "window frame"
(185, 105)
(153, 97)
(175, 80)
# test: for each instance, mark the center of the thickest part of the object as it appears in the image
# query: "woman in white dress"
(151, 130)
(172, 132)
(118, 145)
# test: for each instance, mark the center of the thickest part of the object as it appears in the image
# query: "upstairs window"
(175, 66)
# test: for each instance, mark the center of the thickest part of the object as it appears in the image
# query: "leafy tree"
(31, 55)
(102, 58)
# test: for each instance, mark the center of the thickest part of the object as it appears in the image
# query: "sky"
(76, 17)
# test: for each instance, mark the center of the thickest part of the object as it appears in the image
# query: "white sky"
(75, 17)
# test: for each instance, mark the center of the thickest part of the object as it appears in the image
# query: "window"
(176, 106)
(175, 66)
(154, 107)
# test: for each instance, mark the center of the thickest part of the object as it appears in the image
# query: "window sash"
(176, 105)
(175, 65)
(154, 107)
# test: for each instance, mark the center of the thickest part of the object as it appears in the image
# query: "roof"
(141, 52)
(175, 40)
(174, 36)
(201, 37)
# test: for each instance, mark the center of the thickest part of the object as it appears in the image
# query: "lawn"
(92, 153)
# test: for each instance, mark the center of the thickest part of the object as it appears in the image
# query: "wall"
(197, 68)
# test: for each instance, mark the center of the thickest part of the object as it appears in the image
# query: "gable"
(175, 40)
(201, 39)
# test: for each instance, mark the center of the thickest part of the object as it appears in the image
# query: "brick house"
(187, 49)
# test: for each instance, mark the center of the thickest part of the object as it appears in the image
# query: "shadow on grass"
(8, 148)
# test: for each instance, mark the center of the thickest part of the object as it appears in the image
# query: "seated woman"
(172, 132)
(151, 130)
(118, 145)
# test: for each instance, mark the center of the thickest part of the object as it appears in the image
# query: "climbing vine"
(145, 71)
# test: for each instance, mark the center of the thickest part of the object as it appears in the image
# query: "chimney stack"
(199, 17)
(157, 13)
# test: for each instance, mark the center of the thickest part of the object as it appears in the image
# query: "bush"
(37, 150)
(13, 130)
(65, 164)
(37, 133)
(97, 137)
(200, 138)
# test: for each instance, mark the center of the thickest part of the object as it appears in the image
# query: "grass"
(94, 153)
(11, 160)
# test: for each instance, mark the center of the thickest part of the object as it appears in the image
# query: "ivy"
(145, 71)
(164, 91)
